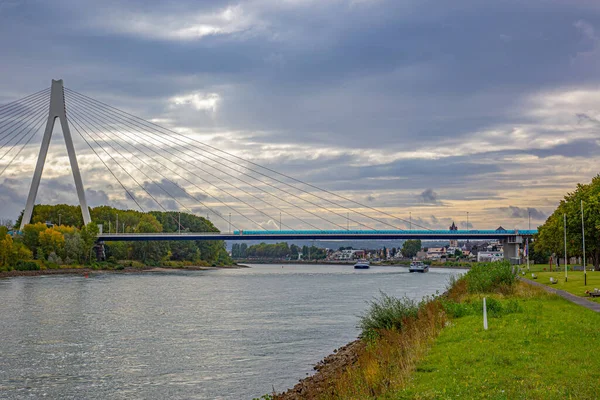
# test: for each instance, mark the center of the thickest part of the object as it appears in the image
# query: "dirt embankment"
(316, 385)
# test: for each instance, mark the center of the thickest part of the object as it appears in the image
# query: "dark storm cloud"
(428, 196)
(518, 212)
(167, 188)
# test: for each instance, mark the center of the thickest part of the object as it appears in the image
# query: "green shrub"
(495, 308)
(27, 266)
(489, 277)
(456, 310)
(387, 312)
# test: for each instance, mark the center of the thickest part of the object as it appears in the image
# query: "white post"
(109, 227)
(179, 222)
(485, 323)
(117, 224)
(57, 110)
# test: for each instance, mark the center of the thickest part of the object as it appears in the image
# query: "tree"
(411, 247)
(89, 235)
(550, 237)
(52, 241)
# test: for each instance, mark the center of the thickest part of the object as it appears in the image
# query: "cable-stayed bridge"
(161, 168)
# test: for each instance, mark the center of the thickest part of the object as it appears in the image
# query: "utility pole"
(529, 227)
(179, 222)
(410, 220)
(566, 258)
(117, 225)
(583, 237)
(229, 222)
(109, 227)
(59, 217)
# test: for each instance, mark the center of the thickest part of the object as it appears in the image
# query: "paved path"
(571, 297)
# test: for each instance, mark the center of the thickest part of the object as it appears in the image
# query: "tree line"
(277, 251)
(550, 237)
(58, 237)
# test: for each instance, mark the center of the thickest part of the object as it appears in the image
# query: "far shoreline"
(126, 270)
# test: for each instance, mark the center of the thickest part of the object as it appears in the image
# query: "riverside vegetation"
(71, 244)
(538, 346)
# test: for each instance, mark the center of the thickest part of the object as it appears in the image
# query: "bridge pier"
(511, 247)
(100, 251)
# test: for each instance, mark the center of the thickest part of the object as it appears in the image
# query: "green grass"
(548, 351)
(574, 283)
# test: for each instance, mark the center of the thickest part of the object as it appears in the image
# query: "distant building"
(487, 256)
(436, 253)
(453, 242)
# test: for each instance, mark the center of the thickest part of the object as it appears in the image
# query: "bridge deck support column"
(511, 249)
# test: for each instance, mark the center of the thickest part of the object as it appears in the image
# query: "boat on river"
(418, 266)
(362, 264)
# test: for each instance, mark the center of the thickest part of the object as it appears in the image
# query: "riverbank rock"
(314, 386)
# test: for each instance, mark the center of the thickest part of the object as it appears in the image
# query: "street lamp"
(59, 218)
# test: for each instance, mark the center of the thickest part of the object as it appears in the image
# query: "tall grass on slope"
(491, 277)
(385, 364)
(387, 312)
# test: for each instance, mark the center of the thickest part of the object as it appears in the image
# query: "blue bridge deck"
(322, 235)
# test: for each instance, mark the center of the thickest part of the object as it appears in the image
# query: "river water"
(219, 334)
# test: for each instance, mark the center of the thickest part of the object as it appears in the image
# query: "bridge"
(327, 235)
(160, 168)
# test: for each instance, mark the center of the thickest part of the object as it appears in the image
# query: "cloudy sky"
(431, 108)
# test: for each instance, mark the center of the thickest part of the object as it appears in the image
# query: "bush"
(489, 277)
(27, 266)
(387, 312)
(495, 308)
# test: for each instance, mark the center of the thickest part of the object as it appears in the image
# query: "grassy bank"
(575, 283)
(547, 350)
(538, 346)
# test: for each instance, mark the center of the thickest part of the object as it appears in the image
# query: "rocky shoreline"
(314, 386)
(127, 270)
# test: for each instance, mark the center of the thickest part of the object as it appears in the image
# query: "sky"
(427, 110)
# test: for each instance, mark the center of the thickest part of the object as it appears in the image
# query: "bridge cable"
(168, 214)
(41, 123)
(137, 129)
(168, 132)
(21, 121)
(119, 164)
(36, 105)
(232, 195)
(17, 132)
(88, 111)
(76, 115)
(9, 107)
(109, 170)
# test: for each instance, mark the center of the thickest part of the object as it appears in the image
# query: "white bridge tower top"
(58, 110)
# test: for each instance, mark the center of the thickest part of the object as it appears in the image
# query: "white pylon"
(57, 110)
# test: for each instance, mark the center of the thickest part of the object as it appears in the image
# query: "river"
(219, 334)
